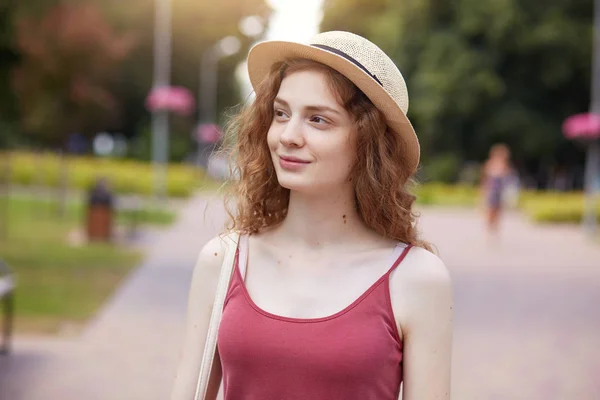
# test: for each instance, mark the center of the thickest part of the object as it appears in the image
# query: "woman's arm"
(426, 324)
(201, 297)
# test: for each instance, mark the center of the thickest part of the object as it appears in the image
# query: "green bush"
(180, 142)
(447, 195)
(540, 206)
(124, 176)
(444, 168)
(553, 207)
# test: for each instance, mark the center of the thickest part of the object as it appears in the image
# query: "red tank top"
(355, 353)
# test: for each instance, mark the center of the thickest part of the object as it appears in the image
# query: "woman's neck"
(315, 220)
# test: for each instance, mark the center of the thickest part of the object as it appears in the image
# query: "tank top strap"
(396, 258)
(398, 255)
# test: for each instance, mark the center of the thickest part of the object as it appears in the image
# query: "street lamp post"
(162, 78)
(208, 85)
(592, 177)
(592, 167)
(251, 27)
(208, 91)
(209, 74)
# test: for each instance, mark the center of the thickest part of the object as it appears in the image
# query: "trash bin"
(100, 212)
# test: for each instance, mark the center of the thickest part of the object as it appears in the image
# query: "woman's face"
(500, 153)
(311, 137)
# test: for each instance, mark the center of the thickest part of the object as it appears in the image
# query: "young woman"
(496, 176)
(333, 295)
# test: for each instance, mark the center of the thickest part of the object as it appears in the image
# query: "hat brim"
(263, 55)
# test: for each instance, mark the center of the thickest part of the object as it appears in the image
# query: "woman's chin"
(296, 183)
(309, 184)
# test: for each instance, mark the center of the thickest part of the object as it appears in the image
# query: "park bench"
(7, 288)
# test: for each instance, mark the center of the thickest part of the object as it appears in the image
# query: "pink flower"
(582, 126)
(171, 98)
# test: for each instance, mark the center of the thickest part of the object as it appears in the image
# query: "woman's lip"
(293, 160)
(292, 164)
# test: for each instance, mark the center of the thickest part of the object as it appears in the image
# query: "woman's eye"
(279, 113)
(318, 120)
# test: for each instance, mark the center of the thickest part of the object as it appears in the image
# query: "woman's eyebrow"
(309, 108)
(322, 108)
(282, 102)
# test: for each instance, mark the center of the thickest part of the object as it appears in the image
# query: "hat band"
(347, 57)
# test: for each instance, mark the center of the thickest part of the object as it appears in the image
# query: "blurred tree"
(95, 80)
(8, 58)
(483, 72)
(197, 25)
(68, 56)
(68, 53)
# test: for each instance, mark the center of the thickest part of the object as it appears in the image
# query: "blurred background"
(110, 112)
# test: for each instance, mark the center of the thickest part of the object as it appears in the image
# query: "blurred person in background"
(499, 185)
(333, 295)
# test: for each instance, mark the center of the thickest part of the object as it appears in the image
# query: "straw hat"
(359, 60)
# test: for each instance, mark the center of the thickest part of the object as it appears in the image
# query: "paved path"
(527, 312)
(526, 317)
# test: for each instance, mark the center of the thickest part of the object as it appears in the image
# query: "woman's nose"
(292, 134)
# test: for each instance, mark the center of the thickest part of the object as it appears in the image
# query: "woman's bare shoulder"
(424, 267)
(212, 253)
(210, 258)
(421, 283)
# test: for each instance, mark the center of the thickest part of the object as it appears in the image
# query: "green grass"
(147, 216)
(57, 283)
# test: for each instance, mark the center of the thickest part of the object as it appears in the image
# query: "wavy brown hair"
(380, 174)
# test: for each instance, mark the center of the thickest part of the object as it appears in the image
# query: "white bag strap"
(243, 256)
(210, 347)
